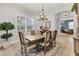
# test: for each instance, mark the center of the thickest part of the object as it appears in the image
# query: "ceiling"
(48, 6)
(35, 8)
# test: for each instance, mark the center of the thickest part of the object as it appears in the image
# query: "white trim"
(59, 11)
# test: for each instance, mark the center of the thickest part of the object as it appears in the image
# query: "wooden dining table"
(34, 38)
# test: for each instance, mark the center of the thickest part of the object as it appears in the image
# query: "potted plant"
(6, 26)
(74, 8)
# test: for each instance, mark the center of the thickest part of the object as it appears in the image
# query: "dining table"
(35, 39)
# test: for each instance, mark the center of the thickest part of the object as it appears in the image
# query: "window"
(23, 24)
(70, 25)
(20, 24)
(29, 24)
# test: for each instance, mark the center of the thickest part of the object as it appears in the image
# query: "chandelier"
(43, 14)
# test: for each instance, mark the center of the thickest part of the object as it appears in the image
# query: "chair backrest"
(54, 35)
(38, 32)
(21, 37)
(48, 36)
(33, 32)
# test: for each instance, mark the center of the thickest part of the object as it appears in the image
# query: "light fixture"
(43, 14)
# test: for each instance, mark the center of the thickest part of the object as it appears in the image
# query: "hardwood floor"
(64, 47)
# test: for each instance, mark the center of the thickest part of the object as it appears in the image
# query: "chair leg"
(44, 50)
(54, 43)
(25, 50)
(21, 51)
(51, 44)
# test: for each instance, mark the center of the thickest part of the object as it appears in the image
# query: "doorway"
(67, 26)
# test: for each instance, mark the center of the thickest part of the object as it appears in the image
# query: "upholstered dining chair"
(24, 43)
(47, 40)
(33, 32)
(53, 40)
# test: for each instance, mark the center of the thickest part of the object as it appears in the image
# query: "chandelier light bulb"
(43, 15)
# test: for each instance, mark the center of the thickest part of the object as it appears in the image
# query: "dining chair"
(53, 40)
(38, 32)
(33, 32)
(47, 40)
(25, 43)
